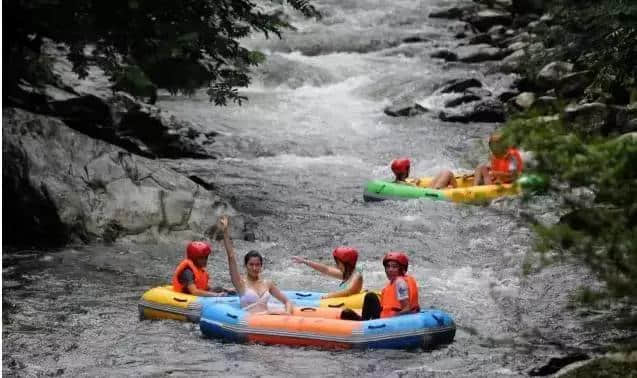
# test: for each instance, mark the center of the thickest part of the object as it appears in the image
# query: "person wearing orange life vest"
(345, 270)
(505, 164)
(398, 297)
(191, 276)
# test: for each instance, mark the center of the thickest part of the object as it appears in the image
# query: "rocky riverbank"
(510, 36)
(80, 163)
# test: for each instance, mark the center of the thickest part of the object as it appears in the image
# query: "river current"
(293, 161)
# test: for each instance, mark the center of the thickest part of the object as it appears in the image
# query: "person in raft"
(401, 167)
(504, 167)
(254, 291)
(191, 276)
(399, 297)
(345, 270)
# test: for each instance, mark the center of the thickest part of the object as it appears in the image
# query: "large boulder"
(591, 118)
(61, 185)
(551, 74)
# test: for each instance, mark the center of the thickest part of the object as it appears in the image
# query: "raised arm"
(328, 270)
(235, 276)
(355, 287)
(276, 293)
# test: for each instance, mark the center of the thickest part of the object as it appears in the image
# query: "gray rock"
(478, 91)
(482, 38)
(536, 48)
(512, 62)
(574, 84)
(460, 85)
(552, 73)
(66, 186)
(480, 53)
(507, 95)
(405, 109)
(589, 118)
(522, 37)
(485, 111)
(533, 24)
(518, 46)
(463, 99)
(503, 4)
(447, 55)
(454, 12)
(623, 118)
(496, 30)
(546, 17)
(485, 19)
(525, 100)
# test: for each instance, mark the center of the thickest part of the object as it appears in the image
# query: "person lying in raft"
(191, 276)
(505, 166)
(253, 290)
(399, 297)
(345, 270)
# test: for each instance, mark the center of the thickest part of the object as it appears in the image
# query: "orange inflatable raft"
(322, 327)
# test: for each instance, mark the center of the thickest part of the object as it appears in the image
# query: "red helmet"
(347, 255)
(399, 257)
(399, 166)
(197, 249)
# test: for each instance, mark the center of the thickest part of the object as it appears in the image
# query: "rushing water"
(293, 161)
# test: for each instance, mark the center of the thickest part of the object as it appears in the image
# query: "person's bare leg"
(481, 175)
(443, 179)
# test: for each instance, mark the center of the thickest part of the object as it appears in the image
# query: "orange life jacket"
(201, 276)
(391, 304)
(509, 163)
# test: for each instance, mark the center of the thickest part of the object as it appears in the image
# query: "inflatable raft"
(378, 190)
(164, 303)
(323, 328)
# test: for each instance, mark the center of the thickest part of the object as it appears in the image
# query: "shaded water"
(293, 160)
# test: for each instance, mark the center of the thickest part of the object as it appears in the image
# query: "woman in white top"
(254, 291)
(345, 270)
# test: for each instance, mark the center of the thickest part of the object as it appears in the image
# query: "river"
(293, 161)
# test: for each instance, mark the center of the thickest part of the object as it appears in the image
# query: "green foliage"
(133, 80)
(599, 229)
(179, 46)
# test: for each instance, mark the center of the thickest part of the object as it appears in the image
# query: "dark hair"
(250, 255)
(349, 270)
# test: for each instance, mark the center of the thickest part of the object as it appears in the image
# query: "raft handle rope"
(376, 327)
(308, 309)
(440, 320)
(231, 315)
(337, 305)
(180, 299)
(303, 294)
